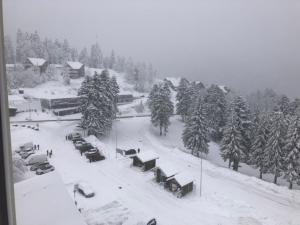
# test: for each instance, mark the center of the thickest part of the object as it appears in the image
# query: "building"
(164, 172)
(180, 184)
(12, 111)
(37, 64)
(125, 98)
(75, 69)
(37, 202)
(145, 160)
(61, 106)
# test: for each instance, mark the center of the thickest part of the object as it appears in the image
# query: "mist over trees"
(55, 51)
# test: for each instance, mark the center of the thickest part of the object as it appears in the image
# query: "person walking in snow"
(50, 154)
(139, 150)
(38, 147)
(47, 153)
(34, 147)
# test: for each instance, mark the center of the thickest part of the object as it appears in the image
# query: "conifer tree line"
(27, 44)
(98, 103)
(261, 130)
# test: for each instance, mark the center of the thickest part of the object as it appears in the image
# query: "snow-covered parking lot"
(126, 195)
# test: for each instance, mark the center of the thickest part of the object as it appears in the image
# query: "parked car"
(73, 135)
(33, 159)
(25, 155)
(36, 166)
(94, 156)
(74, 140)
(84, 189)
(84, 147)
(25, 147)
(44, 169)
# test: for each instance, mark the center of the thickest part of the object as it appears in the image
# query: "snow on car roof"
(147, 156)
(37, 61)
(75, 65)
(46, 189)
(183, 179)
(168, 169)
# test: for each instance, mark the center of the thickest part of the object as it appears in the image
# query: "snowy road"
(125, 195)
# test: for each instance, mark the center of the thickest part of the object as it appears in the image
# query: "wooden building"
(180, 184)
(164, 172)
(75, 69)
(37, 64)
(125, 98)
(145, 160)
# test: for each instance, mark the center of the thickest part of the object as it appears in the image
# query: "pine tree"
(161, 108)
(115, 92)
(292, 151)
(96, 58)
(244, 124)
(257, 157)
(195, 134)
(232, 145)
(274, 153)
(284, 105)
(84, 56)
(183, 98)
(215, 104)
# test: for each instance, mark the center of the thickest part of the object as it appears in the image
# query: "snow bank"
(37, 202)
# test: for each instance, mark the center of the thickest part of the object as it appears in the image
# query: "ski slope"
(125, 195)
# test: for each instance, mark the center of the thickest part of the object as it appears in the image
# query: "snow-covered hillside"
(125, 195)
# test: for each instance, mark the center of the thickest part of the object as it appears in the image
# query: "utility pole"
(201, 176)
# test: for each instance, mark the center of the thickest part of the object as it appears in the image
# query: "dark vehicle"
(23, 125)
(130, 152)
(94, 155)
(73, 135)
(44, 169)
(152, 222)
(76, 139)
(38, 165)
(84, 147)
(84, 189)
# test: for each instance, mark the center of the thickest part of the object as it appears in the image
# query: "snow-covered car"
(73, 135)
(44, 169)
(85, 147)
(25, 155)
(38, 165)
(78, 139)
(84, 189)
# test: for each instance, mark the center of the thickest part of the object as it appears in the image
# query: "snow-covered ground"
(125, 195)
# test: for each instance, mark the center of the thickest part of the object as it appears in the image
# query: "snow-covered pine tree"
(183, 98)
(161, 108)
(84, 56)
(258, 146)
(274, 152)
(215, 104)
(96, 57)
(151, 97)
(195, 134)
(292, 152)
(295, 107)
(284, 105)
(232, 144)
(115, 92)
(245, 125)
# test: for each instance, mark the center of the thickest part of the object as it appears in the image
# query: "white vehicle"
(84, 189)
(33, 159)
(25, 147)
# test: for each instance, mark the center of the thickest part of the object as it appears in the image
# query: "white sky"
(246, 44)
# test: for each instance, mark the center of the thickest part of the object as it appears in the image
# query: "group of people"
(36, 147)
(49, 153)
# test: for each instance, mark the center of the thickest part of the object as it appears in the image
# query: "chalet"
(125, 98)
(37, 64)
(75, 69)
(145, 160)
(180, 184)
(164, 172)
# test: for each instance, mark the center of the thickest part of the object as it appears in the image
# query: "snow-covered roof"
(37, 61)
(75, 65)
(168, 169)
(147, 156)
(36, 202)
(183, 179)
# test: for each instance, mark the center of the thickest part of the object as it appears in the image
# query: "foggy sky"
(245, 44)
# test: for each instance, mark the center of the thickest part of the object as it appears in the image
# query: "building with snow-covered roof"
(75, 69)
(180, 184)
(164, 171)
(145, 160)
(37, 64)
(44, 200)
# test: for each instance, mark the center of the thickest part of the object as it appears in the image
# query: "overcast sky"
(246, 44)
